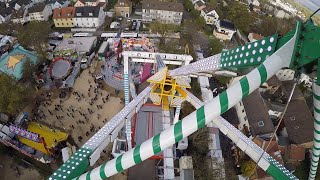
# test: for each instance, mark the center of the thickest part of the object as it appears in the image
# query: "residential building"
(164, 12)
(199, 5)
(12, 63)
(123, 8)
(20, 16)
(209, 15)
(55, 4)
(5, 14)
(79, 3)
(194, 1)
(17, 4)
(254, 5)
(224, 30)
(89, 16)
(298, 119)
(285, 74)
(257, 115)
(64, 17)
(273, 149)
(254, 37)
(39, 12)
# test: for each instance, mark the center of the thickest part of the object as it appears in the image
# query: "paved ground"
(12, 171)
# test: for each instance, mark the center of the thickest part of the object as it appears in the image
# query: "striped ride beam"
(316, 139)
(177, 114)
(200, 117)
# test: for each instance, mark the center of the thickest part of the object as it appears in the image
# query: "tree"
(188, 5)
(240, 16)
(247, 168)
(27, 71)
(215, 46)
(275, 26)
(33, 35)
(12, 95)
(163, 30)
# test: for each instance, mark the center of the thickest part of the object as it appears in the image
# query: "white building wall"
(41, 16)
(2, 19)
(285, 74)
(170, 17)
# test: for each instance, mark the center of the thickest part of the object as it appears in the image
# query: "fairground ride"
(297, 50)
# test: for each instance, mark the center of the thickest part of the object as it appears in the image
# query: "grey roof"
(200, 3)
(86, 10)
(287, 87)
(208, 9)
(231, 116)
(257, 114)
(6, 12)
(274, 81)
(160, 5)
(20, 2)
(18, 14)
(298, 118)
(37, 8)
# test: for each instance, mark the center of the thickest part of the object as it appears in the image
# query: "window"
(260, 123)
(67, 24)
(62, 24)
(58, 24)
(121, 3)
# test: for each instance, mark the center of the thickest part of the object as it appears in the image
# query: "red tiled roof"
(257, 36)
(296, 152)
(66, 12)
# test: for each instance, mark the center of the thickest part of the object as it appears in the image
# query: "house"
(209, 15)
(199, 5)
(64, 17)
(123, 8)
(79, 3)
(254, 37)
(273, 150)
(40, 12)
(193, 1)
(257, 115)
(12, 63)
(224, 30)
(17, 4)
(20, 16)
(5, 14)
(285, 74)
(254, 5)
(298, 119)
(164, 12)
(55, 4)
(295, 153)
(89, 16)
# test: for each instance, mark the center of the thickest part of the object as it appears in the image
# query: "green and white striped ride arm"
(207, 113)
(316, 140)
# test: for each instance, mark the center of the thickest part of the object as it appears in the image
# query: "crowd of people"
(61, 111)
